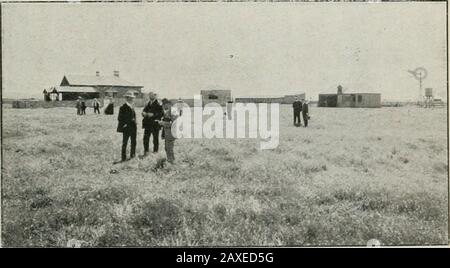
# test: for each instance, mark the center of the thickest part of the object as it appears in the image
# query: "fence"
(21, 104)
(32, 103)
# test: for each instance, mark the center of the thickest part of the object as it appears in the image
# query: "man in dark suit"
(96, 105)
(127, 125)
(305, 112)
(297, 105)
(83, 107)
(78, 105)
(152, 112)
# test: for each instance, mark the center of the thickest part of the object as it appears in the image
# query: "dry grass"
(353, 175)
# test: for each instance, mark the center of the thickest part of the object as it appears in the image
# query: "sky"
(178, 49)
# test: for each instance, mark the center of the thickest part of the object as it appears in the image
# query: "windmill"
(419, 74)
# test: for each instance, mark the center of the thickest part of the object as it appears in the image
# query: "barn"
(327, 100)
(93, 86)
(286, 99)
(361, 100)
(259, 99)
(356, 100)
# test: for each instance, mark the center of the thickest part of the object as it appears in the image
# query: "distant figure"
(46, 95)
(83, 107)
(110, 108)
(151, 113)
(229, 111)
(168, 118)
(96, 105)
(305, 112)
(179, 106)
(127, 126)
(297, 105)
(78, 105)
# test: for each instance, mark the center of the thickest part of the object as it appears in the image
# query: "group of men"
(81, 106)
(155, 116)
(301, 106)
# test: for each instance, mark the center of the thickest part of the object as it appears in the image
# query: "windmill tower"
(419, 74)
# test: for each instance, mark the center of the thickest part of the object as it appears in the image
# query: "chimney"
(116, 73)
(97, 73)
(339, 89)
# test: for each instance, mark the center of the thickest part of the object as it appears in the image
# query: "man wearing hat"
(152, 112)
(127, 125)
(297, 105)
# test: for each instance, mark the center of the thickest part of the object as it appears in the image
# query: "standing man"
(96, 106)
(78, 105)
(305, 112)
(83, 107)
(167, 120)
(152, 112)
(127, 125)
(297, 105)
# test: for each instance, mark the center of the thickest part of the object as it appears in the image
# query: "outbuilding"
(357, 100)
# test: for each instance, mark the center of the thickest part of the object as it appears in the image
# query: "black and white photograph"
(217, 124)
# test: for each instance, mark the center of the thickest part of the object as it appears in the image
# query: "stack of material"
(438, 103)
(23, 104)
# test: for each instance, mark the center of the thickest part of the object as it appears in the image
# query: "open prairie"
(351, 176)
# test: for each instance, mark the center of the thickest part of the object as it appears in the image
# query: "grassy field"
(352, 176)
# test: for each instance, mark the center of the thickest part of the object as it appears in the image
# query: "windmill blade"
(419, 73)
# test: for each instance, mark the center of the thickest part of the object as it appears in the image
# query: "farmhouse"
(90, 86)
(361, 100)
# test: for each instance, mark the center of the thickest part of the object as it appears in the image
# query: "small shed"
(220, 96)
(289, 99)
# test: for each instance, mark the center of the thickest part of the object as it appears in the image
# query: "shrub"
(220, 211)
(158, 218)
(109, 194)
(117, 235)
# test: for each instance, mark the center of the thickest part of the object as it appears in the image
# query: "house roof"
(92, 80)
(76, 89)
